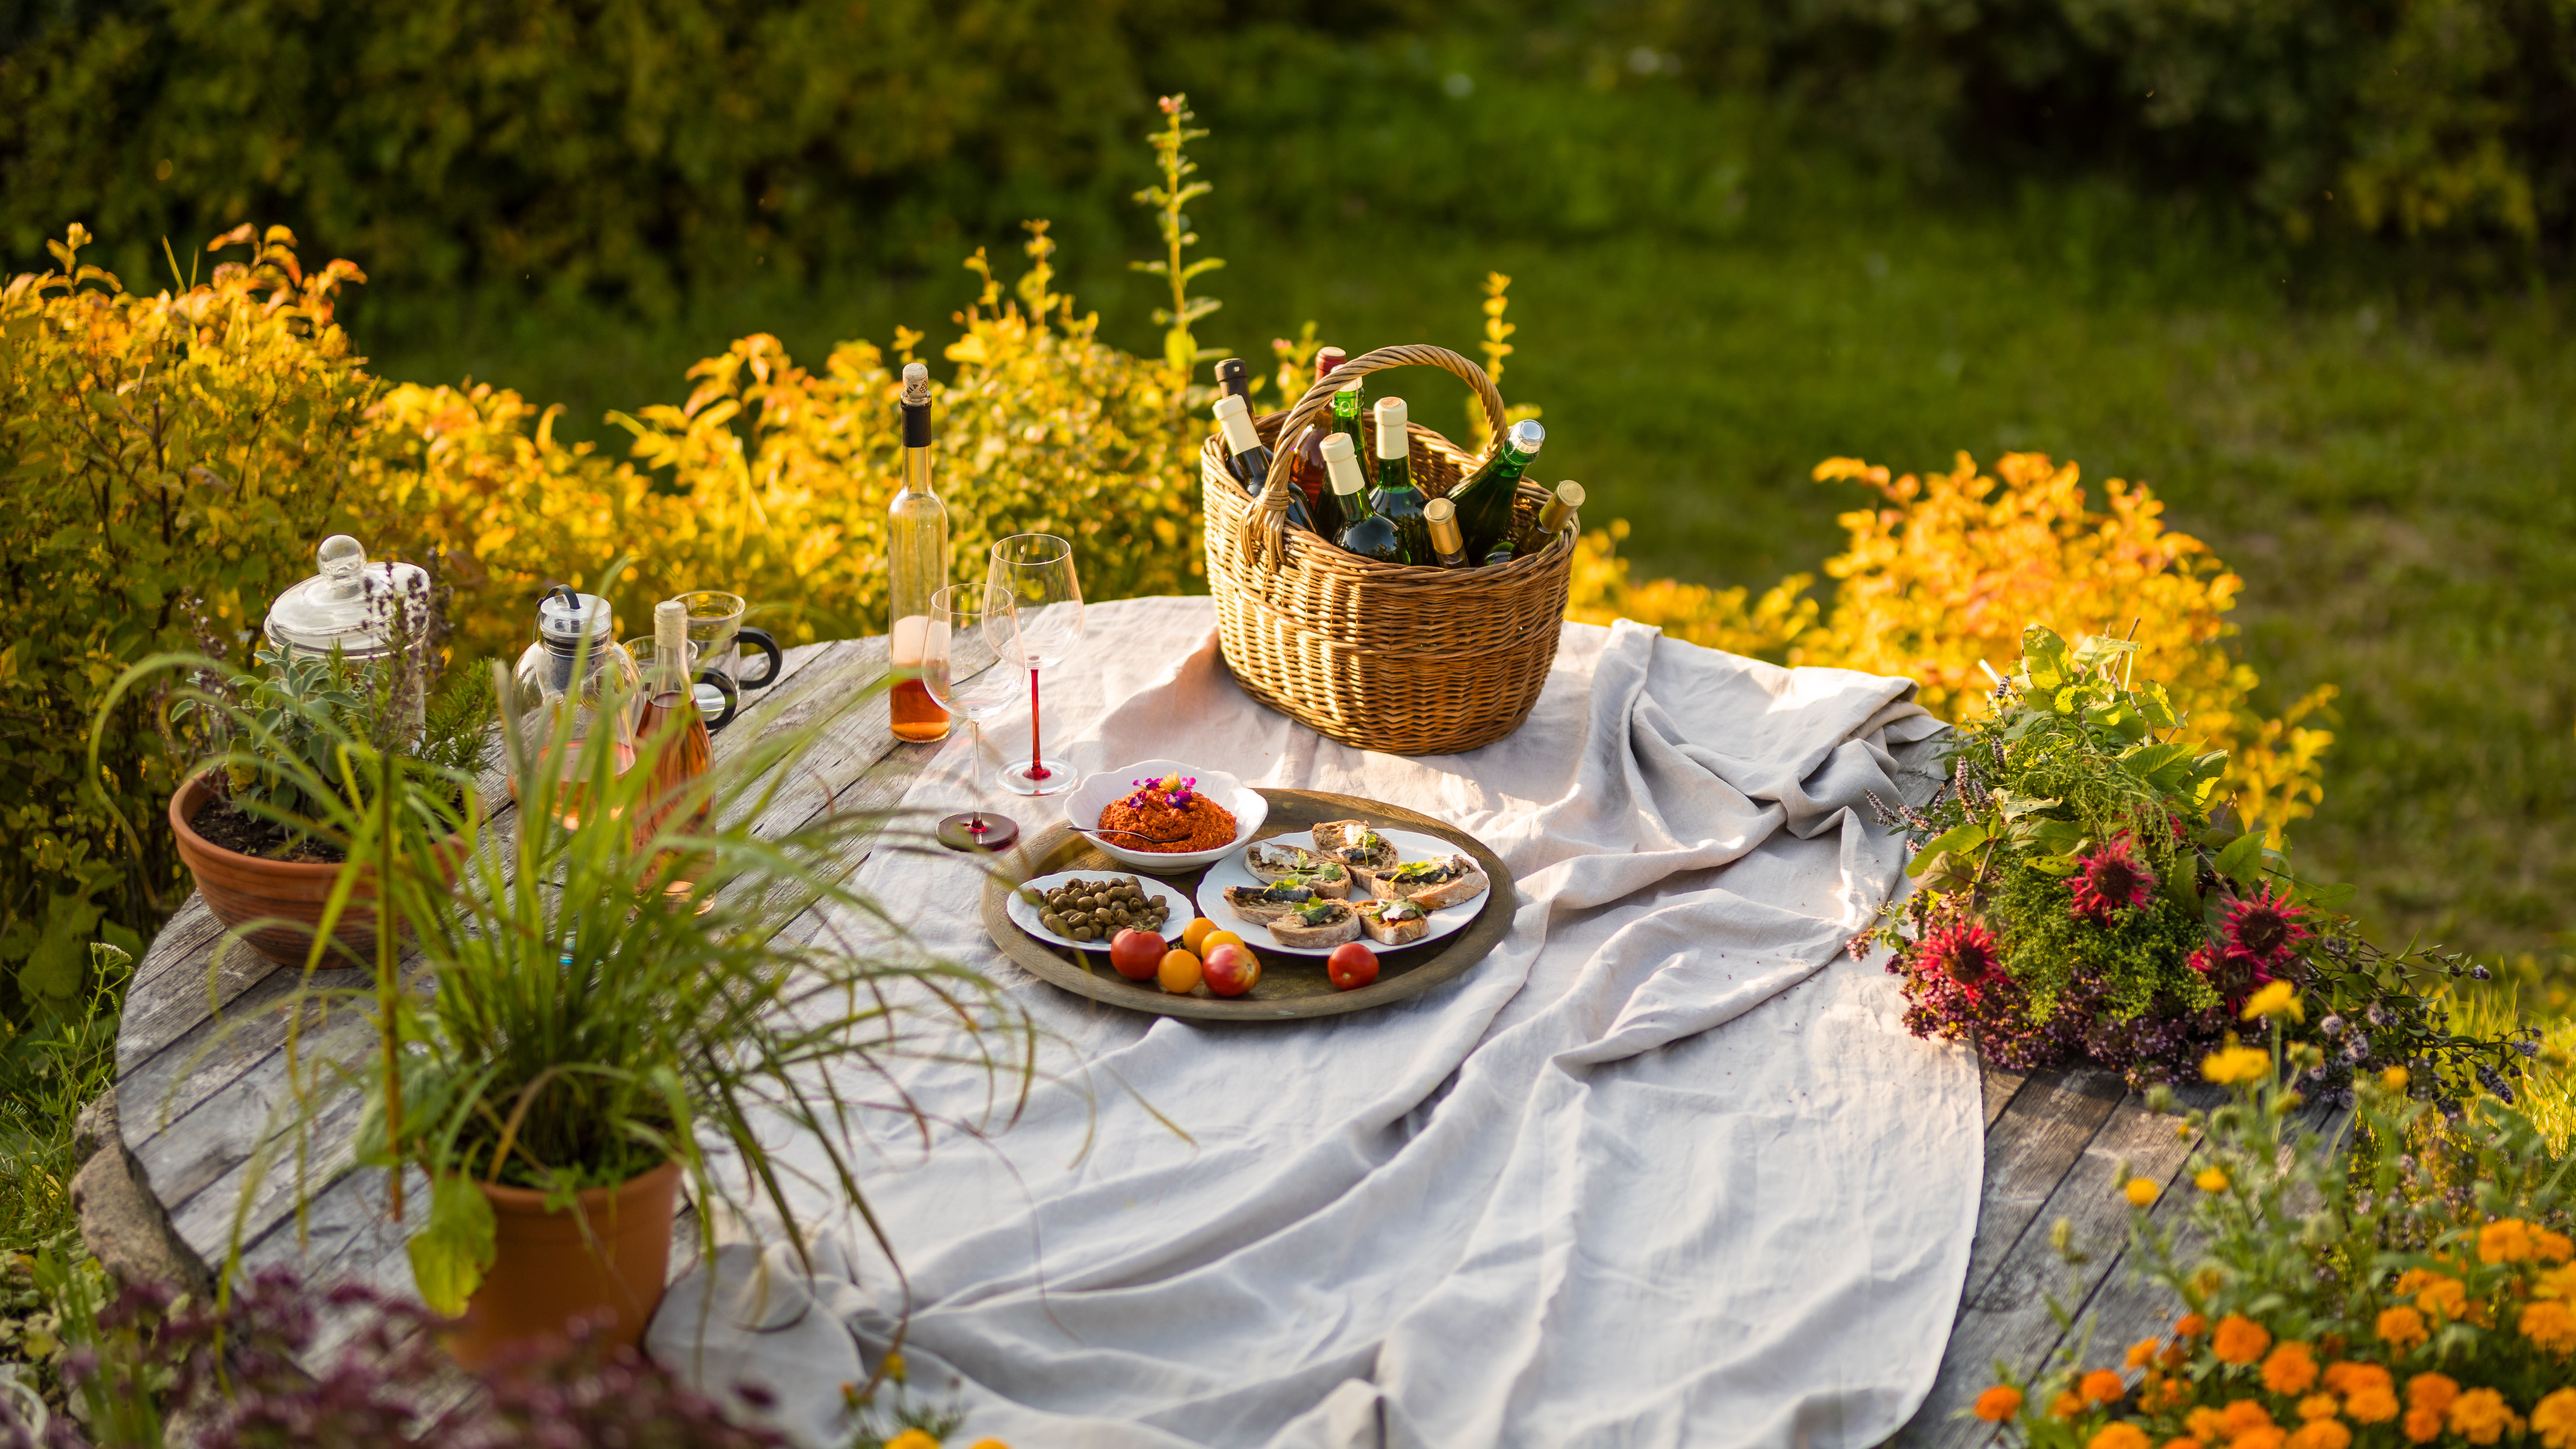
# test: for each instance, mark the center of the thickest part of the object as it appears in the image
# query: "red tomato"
(1232, 970)
(1135, 954)
(1351, 966)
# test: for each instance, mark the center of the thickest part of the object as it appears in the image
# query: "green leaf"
(2043, 655)
(2156, 706)
(2015, 806)
(2052, 864)
(450, 1254)
(2057, 837)
(2243, 861)
(1962, 837)
(2331, 897)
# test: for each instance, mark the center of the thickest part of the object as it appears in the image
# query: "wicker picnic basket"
(1411, 661)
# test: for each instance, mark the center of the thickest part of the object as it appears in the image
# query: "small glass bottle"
(672, 734)
(916, 568)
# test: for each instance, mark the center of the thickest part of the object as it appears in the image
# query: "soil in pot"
(285, 896)
(546, 1271)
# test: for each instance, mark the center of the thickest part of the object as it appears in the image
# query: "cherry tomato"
(1351, 966)
(1179, 972)
(1135, 954)
(1214, 939)
(1232, 969)
(1194, 936)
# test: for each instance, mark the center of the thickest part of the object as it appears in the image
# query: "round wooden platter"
(1291, 986)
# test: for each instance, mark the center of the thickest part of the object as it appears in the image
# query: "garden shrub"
(170, 463)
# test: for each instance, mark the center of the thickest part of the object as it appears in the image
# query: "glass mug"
(707, 679)
(716, 627)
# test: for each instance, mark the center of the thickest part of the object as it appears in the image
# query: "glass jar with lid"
(574, 690)
(362, 611)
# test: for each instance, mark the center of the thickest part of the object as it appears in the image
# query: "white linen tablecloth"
(1663, 1169)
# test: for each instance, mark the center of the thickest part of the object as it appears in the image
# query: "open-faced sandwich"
(1317, 923)
(1281, 897)
(1393, 923)
(1431, 884)
(1355, 844)
(1276, 863)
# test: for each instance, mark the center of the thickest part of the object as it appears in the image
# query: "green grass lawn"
(1707, 309)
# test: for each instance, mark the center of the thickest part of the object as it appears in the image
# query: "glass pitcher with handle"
(574, 692)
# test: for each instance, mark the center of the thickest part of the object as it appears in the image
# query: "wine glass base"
(959, 832)
(1022, 779)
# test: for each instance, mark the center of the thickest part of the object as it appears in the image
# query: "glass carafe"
(574, 692)
(366, 613)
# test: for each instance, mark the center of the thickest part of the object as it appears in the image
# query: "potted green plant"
(613, 998)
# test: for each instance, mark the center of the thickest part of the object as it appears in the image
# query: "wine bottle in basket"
(1396, 496)
(1248, 458)
(1447, 548)
(916, 568)
(1233, 379)
(1306, 466)
(1551, 521)
(1364, 532)
(1484, 499)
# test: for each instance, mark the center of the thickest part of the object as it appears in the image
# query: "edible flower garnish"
(1172, 792)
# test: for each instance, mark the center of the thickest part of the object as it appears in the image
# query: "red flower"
(2108, 879)
(2263, 931)
(2203, 960)
(1964, 951)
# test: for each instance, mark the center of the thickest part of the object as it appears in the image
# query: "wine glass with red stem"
(1036, 570)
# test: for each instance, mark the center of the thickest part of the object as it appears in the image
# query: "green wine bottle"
(1395, 496)
(1485, 499)
(1555, 518)
(1364, 531)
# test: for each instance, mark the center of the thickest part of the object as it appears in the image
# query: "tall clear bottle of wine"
(671, 735)
(1484, 498)
(1396, 497)
(916, 568)
(1248, 458)
(1364, 532)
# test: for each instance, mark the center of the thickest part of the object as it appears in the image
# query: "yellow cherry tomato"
(1194, 936)
(1214, 939)
(1179, 972)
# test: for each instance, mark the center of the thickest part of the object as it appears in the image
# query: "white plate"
(1082, 810)
(1409, 845)
(1025, 916)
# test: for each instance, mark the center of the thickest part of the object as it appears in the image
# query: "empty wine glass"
(1037, 571)
(960, 616)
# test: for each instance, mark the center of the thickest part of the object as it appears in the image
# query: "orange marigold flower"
(2239, 1339)
(2444, 1298)
(2436, 1392)
(2243, 1417)
(2206, 1424)
(2423, 1426)
(2556, 1283)
(2067, 1406)
(2553, 1418)
(2402, 1328)
(2118, 1436)
(2318, 1406)
(2190, 1325)
(1998, 1403)
(2101, 1386)
(2267, 1438)
(2320, 1434)
(2290, 1370)
(2481, 1416)
(2506, 1240)
(2143, 1352)
(2550, 1325)
(2352, 1378)
(2554, 1247)
(2372, 1403)
(2182, 1443)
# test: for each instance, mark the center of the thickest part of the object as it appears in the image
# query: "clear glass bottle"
(573, 693)
(916, 568)
(671, 733)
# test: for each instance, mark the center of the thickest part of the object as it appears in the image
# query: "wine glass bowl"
(961, 614)
(1036, 571)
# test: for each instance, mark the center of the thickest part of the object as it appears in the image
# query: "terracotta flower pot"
(241, 888)
(544, 1272)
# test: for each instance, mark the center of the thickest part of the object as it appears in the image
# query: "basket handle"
(1260, 531)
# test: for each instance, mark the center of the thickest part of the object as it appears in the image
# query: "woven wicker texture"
(1411, 661)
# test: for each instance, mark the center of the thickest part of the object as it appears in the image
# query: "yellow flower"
(2554, 1247)
(1998, 1403)
(2554, 1418)
(2402, 1328)
(894, 1371)
(2142, 1192)
(2101, 1387)
(2555, 1283)
(2277, 999)
(2118, 1436)
(2239, 1339)
(2370, 1395)
(2210, 1179)
(990, 1444)
(912, 1439)
(2320, 1434)
(2549, 1325)
(2394, 1079)
(2235, 1064)
(2290, 1370)
(2481, 1416)
(2506, 1240)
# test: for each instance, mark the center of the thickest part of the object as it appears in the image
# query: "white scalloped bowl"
(1082, 811)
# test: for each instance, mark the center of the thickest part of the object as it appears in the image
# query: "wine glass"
(1037, 570)
(959, 614)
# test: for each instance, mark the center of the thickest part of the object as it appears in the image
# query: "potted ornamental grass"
(616, 1017)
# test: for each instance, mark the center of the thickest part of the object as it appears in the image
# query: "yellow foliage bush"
(772, 479)
(1951, 567)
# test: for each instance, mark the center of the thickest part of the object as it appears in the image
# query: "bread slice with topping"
(1433, 884)
(1355, 843)
(1318, 923)
(1393, 923)
(1266, 903)
(1277, 863)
